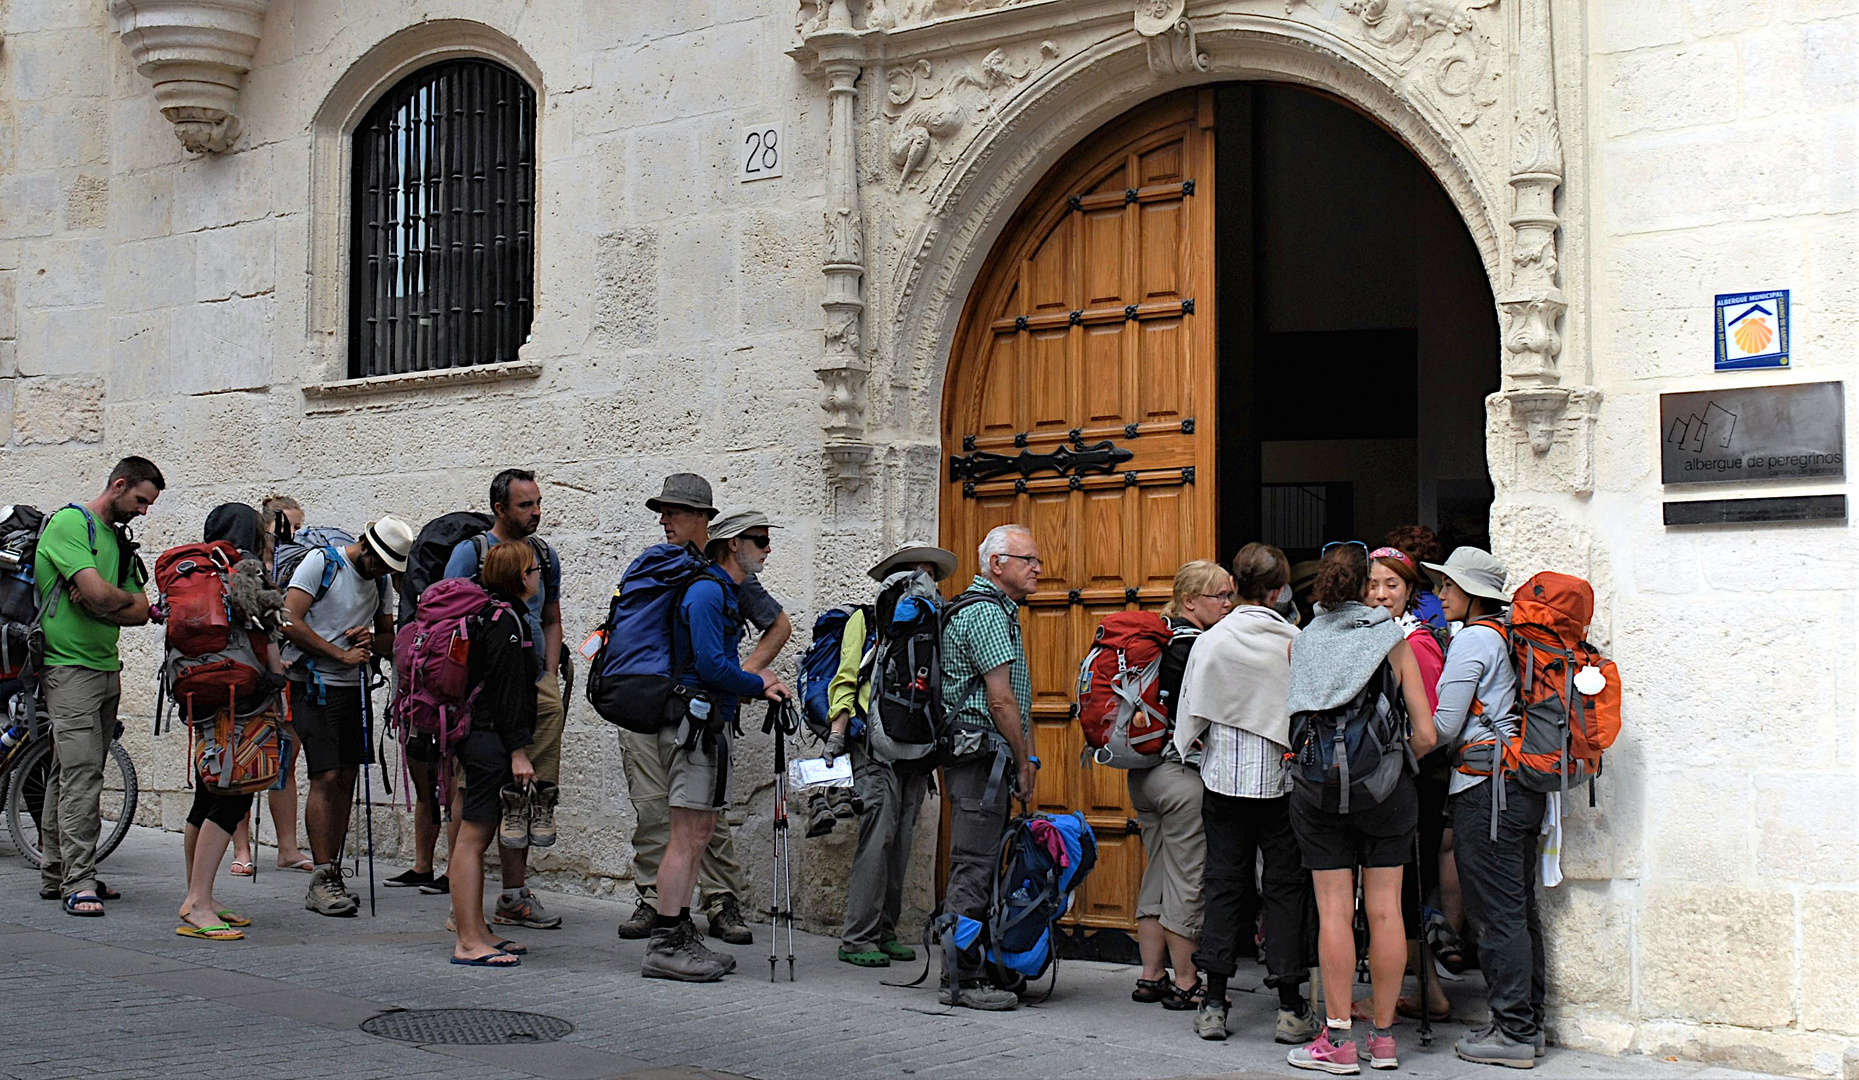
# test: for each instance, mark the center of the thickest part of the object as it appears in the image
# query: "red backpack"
(433, 694)
(1568, 694)
(1119, 691)
(210, 665)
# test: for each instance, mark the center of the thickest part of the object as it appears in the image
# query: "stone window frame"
(365, 82)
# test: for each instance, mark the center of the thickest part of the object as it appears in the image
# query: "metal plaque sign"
(1754, 433)
(1752, 330)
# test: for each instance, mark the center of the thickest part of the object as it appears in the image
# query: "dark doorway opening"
(1358, 335)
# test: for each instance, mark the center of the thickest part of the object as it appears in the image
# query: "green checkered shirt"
(978, 639)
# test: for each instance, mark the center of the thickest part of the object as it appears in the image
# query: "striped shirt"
(1239, 764)
(978, 639)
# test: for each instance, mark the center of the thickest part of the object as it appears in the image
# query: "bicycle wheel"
(25, 807)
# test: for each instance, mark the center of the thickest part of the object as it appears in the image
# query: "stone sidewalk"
(122, 996)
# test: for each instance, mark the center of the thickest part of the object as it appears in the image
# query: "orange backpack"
(1568, 694)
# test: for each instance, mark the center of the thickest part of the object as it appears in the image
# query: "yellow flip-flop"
(216, 932)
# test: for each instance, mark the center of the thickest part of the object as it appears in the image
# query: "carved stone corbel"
(196, 53)
(843, 368)
(1170, 37)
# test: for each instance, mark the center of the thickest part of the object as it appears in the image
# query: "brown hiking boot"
(727, 924)
(542, 814)
(639, 927)
(326, 895)
(675, 953)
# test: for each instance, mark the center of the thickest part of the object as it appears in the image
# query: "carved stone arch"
(1029, 133)
(371, 75)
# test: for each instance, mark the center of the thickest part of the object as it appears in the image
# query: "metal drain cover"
(466, 1027)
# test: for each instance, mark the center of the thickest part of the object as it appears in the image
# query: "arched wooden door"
(1080, 402)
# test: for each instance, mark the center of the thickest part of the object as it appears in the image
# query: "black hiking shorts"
(1381, 835)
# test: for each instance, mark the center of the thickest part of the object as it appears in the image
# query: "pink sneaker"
(1326, 1056)
(1380, 1051)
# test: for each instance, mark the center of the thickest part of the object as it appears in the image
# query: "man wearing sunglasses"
(516, 504)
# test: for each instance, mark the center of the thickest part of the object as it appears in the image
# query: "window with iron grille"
(440, 271)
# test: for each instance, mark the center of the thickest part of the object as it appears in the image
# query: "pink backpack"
(433, 693)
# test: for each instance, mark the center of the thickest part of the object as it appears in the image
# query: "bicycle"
(23, 782)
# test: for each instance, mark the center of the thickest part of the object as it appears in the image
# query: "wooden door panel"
(1080, 331)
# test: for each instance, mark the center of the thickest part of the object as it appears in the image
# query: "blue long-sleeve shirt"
(709, 635)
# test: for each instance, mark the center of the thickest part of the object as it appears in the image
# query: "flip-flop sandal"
(304, 865)
(72, 901)
(512, 948)
(490, 960)
(232, 918)
(215, 932)
(251, 868)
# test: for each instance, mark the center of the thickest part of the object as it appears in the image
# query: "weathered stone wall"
(157, 302)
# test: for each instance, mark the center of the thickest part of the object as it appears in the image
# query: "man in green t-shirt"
(91, 586)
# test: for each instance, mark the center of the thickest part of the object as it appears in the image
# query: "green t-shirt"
(73, 636)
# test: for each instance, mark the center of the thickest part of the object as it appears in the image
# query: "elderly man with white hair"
(988, 693)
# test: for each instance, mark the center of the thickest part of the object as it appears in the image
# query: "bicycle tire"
(26, 799)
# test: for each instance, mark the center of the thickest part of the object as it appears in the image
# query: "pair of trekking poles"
(366, 781)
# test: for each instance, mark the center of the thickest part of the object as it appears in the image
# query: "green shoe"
(896, 949)
(874, 958)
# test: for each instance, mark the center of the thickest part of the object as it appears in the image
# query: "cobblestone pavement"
(122, 996)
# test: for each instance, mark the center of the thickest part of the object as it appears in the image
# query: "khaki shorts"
(691, 775)
(545, 746)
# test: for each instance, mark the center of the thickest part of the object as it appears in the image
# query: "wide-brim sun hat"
(390, 539)
(941, 559)
(733, 521)
(1476, 571)
(683, 491)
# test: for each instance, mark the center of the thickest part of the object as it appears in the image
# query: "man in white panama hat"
(890, 792)
(338, 618)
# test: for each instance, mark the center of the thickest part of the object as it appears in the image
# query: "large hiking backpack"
(1119, 691)
(1352, 756)
(432, 549)
(819, 664)
(632, 674)
(1044, 859)
(20, 644)
(905, 670)
(305, 540)
(433, 694)
(213, 663)
(1568, 694)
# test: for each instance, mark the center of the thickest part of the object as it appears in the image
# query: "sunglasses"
(761, 541)
(1342, 543)
(532, 570)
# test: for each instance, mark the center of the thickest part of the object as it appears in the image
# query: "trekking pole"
(367, 785)
(782, 722)
(1426, 953)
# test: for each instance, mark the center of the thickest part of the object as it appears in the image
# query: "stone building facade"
(176, 274)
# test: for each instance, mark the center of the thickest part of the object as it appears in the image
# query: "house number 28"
(761, 152)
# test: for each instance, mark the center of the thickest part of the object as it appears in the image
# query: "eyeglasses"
(1342, 543)
(1225, 597)
(532, 570)
(1033, 559)
(761, 541)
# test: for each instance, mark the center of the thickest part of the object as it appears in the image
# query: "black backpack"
(905, 671)
(20, 644)
(431, 550)
(1352, 757)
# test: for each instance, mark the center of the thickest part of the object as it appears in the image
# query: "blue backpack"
(820, 664)
(632, 675)
(1033, 891)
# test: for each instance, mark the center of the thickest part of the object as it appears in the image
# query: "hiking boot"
(820, 818)
(1296, 1029)
(1380, 1051)
(987, 999)
(542, 814)
(728, 960)
(726, 924)
(326, 895)
(439, 886)
(639, 926)
(410, 879)
(513, 830)
(895, 949)
(525, 909)
(1323, 1055)
(1210, 1022)
(675, 954)
(1490, 1046)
